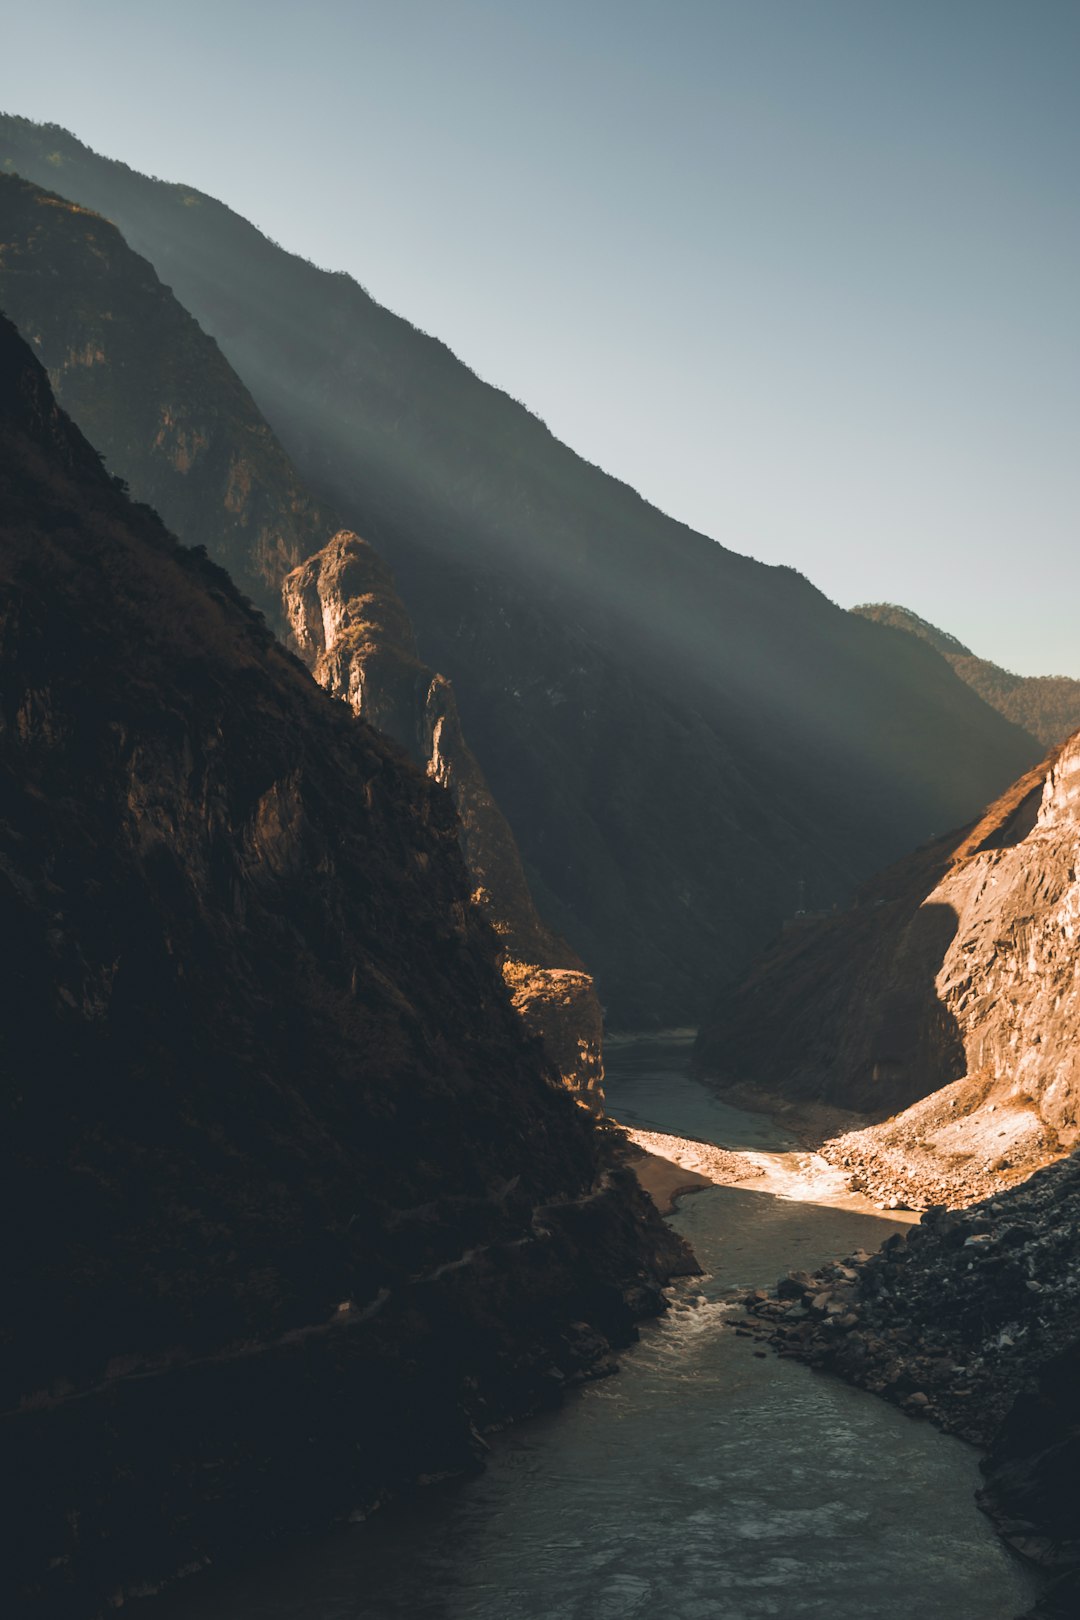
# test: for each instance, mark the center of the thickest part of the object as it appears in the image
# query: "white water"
(702, 1483)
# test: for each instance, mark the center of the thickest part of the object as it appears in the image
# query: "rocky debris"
(972, 1320)
(963, 1308)
(959, 1146)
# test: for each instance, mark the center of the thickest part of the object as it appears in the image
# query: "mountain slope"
(157, 396)
(678, 735)
(1048, 706)
(950, 993)
(292, 1206)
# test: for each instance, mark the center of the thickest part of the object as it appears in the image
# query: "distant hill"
(1048, 706)
(682, 739)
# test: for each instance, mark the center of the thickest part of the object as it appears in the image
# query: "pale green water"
(700, 1484)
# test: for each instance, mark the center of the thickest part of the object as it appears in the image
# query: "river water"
(704, 1482)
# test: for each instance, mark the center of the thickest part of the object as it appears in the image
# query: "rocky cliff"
(348, 624)
(1048, 706)
(156, 395)
(951, 993)
(678, 736)
(293, 1209)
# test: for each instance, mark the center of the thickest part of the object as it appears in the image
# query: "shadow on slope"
(677, 734)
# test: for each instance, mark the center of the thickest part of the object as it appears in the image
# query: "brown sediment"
(666, 1182)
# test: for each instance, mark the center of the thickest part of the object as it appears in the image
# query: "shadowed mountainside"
(293, 1209)
(349, 625)
(159, 399)
(1048, 706)
(677, 735)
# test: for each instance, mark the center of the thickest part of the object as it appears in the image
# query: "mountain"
(158, 398)
(293, 1207)
(682, 740)
(1048, 706)
(948, 997)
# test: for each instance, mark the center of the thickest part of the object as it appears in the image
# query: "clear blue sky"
(805, 272)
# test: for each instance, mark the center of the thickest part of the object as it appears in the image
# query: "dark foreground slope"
(292, 1207)
(151, 391)
(677, 734)
(1046, 705)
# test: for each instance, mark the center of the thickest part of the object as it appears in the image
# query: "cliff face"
(152, 392)
(677, 735)
(297, 1209)
(1048, 706)
(156, 395)
(955, 981)
(348, 624)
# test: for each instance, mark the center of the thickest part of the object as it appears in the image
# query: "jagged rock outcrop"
(349, 625)
(1048, 706)
(157, 396)
(950, 993)
(678, 736)
(293, 1209)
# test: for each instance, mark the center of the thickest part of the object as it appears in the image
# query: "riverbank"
(703, 1476)
(900, 1321)
(967, 1142)
(668, 1167)
(972, 1320)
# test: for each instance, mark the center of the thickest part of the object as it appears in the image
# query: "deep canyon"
(371, 766)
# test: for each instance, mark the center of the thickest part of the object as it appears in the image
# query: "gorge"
(370, 764)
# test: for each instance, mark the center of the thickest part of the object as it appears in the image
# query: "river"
(704, 1482)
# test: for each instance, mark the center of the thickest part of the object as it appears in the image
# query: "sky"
(803, 272)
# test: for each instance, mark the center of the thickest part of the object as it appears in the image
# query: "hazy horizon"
(803, 276)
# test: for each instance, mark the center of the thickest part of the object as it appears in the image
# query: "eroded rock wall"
(950, 996)
(348, 623)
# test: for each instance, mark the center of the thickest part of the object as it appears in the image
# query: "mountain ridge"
(584, 632)
(158, 396)
(1047, 706)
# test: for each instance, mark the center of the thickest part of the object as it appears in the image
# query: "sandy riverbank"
(670, 1166)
